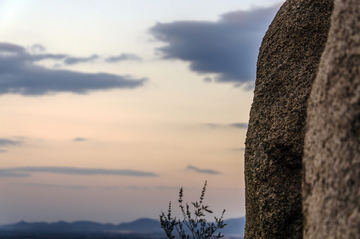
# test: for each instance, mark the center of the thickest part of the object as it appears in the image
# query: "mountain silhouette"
(142, 225)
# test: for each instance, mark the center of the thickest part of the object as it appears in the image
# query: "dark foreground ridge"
(138, 229)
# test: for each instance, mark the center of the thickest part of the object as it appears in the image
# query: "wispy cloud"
(79, 139)
(9, 142)
(20, 75)
(137, 187)
(110, 188)
(123, 57)
(6, 173)
(168, 188)
(134, 187)
(206, 171)
(37, 48)
(40, 185)
(26, 171)
(234, 125)
(75, 60)
(227, 47)
(239, 125)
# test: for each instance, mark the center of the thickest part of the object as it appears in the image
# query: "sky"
(109, 107)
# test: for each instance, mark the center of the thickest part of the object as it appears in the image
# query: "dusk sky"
(109, 107)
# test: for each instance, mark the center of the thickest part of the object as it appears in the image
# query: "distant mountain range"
(234, 227)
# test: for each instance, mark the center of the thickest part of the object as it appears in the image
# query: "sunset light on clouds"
(108, 108)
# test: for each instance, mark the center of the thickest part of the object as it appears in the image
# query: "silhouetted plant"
(198, 226)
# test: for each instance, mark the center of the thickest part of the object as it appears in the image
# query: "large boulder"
(331, 186)
(286, 68)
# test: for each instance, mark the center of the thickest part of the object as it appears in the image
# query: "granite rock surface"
(331, 187)
(287, 66)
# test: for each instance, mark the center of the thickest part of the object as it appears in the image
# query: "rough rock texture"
(287, 66)
(331, 160)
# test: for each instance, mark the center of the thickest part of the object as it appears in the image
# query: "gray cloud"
(77, 187)
(19, 75)
(123, 57)
(40, 57)
(168, 188)
(26, 171)
(212, 125)
(239, 125)
(228, 47)
(134, 187)
(207, 79)
(79, 139)
(234, 125)
(75, 60)
(9, 142)
(11, 174)
(36, 48)
(110, 188)
(206, 171)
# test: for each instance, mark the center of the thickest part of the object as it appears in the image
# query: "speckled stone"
(331, 187)
(286, 68)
